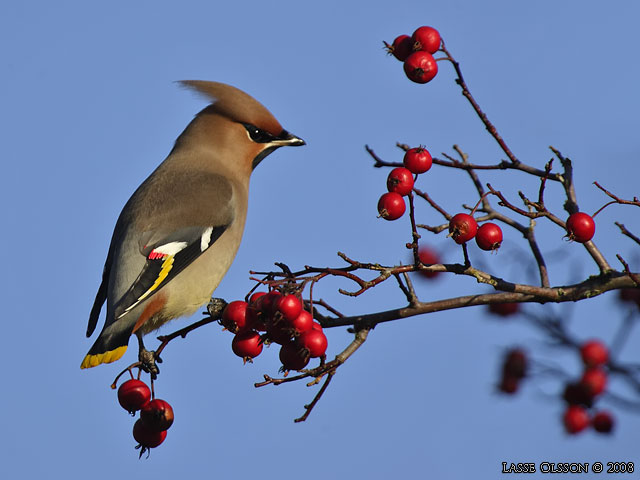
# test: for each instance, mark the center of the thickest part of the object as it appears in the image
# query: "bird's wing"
(197, 206)
(167, 254)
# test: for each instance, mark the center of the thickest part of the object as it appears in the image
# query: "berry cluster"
(580, 395)
(156, 416)
(416, 51)
(274, 318)
(400, 182)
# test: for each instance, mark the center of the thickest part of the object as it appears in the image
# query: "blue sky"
(89, 108)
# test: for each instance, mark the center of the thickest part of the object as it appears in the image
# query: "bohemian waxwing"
(179, 232)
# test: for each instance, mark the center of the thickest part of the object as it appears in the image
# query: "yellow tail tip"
(106, 357)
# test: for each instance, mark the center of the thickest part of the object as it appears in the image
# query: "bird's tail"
(106, 349)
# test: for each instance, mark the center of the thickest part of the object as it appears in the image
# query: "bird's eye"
(258, 135)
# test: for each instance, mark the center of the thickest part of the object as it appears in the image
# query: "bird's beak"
(286, 139)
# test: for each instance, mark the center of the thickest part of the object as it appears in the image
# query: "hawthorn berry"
(509, 385)
(314, 341)
(426, 39)
(255, 296)
(515, 364)
(289, 306)
(462, 228)
(157, 415)
(133, 395)
(602, 422)
(420, 67)
(146, 437)
(401, 47)
(302, 323)
(279, 333)
(391, 206)
(400, 180)
(417, 160)
(504, 309)
(267, 303)
(594, 353)
(428, 257)
(576, 419)
(489, 236)
(234, 316)
(316, 326)
(580, 227)
(247, 344)
(293, 356)
(596, 379)
(578, 393)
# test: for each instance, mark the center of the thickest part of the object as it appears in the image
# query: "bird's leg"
(148, 359)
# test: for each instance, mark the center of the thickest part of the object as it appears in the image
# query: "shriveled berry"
(631, 295)
(293, 356)
(157, 415)
(420, 67)
(391, 206)
(576, 419)
(462, 228)
(603, 422)
(146, 437)
(400, 180)
(401, 47)
(247, 344)
(504, 309)
(509, 384)
(578, 393)
(417, 160)
(279, 333)
(515, 363)
(489, 236)
(428, 256)
(594, 353)
(427, 39)
(133, 395)
(315, 341)
(580, 227)
(596, 379)
(234, 316)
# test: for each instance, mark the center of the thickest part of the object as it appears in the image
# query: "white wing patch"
(170, 248)
(205, 240)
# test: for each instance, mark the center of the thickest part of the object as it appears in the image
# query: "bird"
(178, 234)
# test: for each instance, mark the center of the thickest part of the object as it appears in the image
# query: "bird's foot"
(149, 362)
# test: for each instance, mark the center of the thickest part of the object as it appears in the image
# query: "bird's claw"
(148, 362)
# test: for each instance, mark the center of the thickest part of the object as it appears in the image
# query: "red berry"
(133, 395)
(603, 422)
(234, 316)
(293, 357)
(417, 160)
(268, 302)
(580, 227)
(489, 236)
(391, 206)
(504, 309)
(596, 379)
(462, 227)
(428, 257)
(400, 180)
(594, 353)
(255, 296)
(289, 306)
(146, 437)
(420, 67)
(316, 326)
(401, 47)
(315, 341)
(302, 322)
(576, 419)
(515, 364)
(427, 39)
(247, 343)
(279, 333)
(157, 415)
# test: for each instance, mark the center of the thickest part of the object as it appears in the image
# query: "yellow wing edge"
(91, 361)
